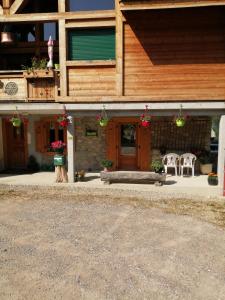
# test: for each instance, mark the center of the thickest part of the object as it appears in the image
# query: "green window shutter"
(92, 44)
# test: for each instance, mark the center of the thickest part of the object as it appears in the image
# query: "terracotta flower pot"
(145, 123)
(180, 122)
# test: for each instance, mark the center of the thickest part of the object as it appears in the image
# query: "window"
(92, 44)
(46, 132)
(50, 29)
(82, 5)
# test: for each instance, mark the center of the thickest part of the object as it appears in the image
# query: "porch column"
(71, 150)
(1, 148)
(221, 153)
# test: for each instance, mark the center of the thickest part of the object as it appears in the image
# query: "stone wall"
(90, 150)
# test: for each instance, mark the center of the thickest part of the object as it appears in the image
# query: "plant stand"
(60, 170)
(61, 174)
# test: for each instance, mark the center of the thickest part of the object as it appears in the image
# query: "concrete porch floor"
(177, 185)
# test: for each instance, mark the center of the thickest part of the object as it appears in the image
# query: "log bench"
(133, 177)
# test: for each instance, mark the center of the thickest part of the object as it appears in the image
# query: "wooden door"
(141, 160)
(15, 146)
(128, 146)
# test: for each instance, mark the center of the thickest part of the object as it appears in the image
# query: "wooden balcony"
(22, 86)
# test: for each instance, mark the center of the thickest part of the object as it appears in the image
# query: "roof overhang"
(115, 109)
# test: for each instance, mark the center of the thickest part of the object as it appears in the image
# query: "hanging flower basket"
(180, 122)
(63, 120)
(145, 118)
(103, 122)
(103, 118)
(16, 121)
(180, 119)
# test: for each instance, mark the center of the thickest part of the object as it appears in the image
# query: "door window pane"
(128, 139)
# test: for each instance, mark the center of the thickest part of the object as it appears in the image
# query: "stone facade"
(89, 150)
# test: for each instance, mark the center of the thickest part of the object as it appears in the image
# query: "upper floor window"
(92, 44)
(82, 5)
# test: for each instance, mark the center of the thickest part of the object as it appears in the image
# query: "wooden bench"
(133, 177)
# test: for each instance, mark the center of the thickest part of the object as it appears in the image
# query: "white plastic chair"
(171, 160)
(187, 160)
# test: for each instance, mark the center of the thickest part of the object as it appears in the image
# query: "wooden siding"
(175, 55)
(92, 81)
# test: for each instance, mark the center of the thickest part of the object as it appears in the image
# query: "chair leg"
(175, 171)
(182, 171)
(193, 172)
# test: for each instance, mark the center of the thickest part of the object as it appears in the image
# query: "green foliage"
(157, 166)
(33, 165)
(106, 163)
(36, 64)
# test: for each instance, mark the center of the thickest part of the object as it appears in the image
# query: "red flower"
(58, 145)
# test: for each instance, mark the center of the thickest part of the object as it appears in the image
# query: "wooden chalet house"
(125, 55)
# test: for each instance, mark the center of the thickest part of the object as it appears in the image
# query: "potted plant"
(205, 159)
(180, 119)
(106, 164)
(103, 122)
(157, 166)
(38, 68)
(212, 179)
(58, 147)
(16, 121)
(63, 120)
(145, 118)
(103, 118)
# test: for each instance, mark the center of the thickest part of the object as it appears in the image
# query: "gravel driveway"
(75, 246)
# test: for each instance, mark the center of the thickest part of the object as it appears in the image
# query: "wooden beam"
(61, 5)
(62, 58)
(41, 17)
(6, 6)
(85, 63)
(119, 51)
(91, 23)
(161, 4)
(17, 4)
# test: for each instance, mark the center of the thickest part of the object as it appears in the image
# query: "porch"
(175, 186)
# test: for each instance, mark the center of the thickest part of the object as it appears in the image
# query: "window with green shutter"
(92, 44)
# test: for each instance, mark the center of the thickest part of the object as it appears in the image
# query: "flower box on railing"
(38, 73)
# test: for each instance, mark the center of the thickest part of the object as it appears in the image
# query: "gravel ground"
(83, 244)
